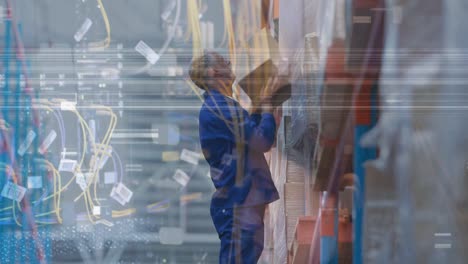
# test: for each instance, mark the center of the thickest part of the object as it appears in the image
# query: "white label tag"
(67, 165)
(110, 177)
(121, 194)
(362, 19)
(89, 177)
(102, 160)
(181, 177)
(80, 180)
(27, 142)
(13, 191)
(83, 29)
(34, 182)
(124, 192)
(67, 106)
(190, 156)
(117, 197)
(92, 126)
(84, 180)
(93, 162)
(147, 52)
(96, 210)
(47, 142)
(66, 153)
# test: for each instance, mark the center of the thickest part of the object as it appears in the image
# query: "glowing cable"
(168, 41)
(106, 42)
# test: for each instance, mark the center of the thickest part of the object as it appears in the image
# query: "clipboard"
(257, 65)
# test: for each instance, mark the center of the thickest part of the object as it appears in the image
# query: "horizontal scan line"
(135, 135)
(133, 165)
(442, 246)
(129, 143)
(442, 234)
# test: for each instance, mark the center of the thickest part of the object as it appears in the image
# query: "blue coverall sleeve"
(258, 131)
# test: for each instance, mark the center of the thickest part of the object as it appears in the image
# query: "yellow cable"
(105, 146)
(19, 206)
(14, 215)
(41, 223)
(6, 208)
(242, 22)
(83, 122)
(56, 201)
(47, 213)
(106, 42)
(85, 144)
(97, 152)
(84, 127)
(62, 188)
(54, 180)
(229, 28)
(57, 207)
(57, 192)
(157, 203)
(117, 214)
(8, 169)
(95, 181)
(57, 178)
(87, 209)
(88, 202)
(194, 26)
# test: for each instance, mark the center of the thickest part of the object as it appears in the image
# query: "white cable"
(271, 21)
(166, 43)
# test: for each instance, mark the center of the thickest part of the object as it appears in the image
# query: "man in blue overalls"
(233, 144)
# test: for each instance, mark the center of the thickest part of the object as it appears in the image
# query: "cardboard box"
(303, 238)
(336, 104)
(335, 109)
(295, 168)
(260, 62)
(279, 235)
(323, 167)
(295, 205)
(365, 16)
(257, 80)
(345, 241)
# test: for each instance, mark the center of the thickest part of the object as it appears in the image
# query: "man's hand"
(266, 97)
(264, 102)
(267, 106)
